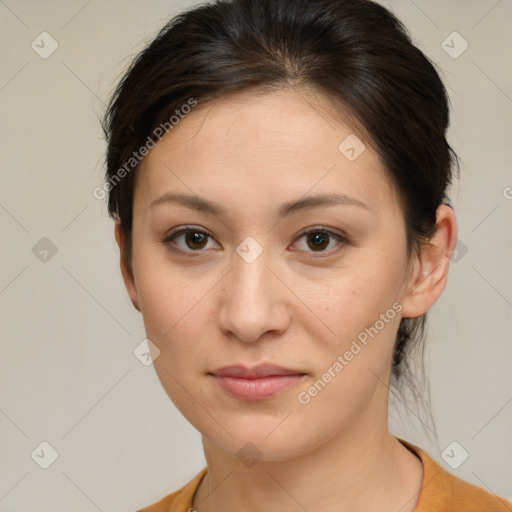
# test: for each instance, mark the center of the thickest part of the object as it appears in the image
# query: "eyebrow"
(203, 205)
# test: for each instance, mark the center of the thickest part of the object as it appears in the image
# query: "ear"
(128, 279)
(430, 268)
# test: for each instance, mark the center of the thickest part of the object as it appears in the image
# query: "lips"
(259, 382)
(262, 370)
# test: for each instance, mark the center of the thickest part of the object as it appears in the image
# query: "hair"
(356, 53)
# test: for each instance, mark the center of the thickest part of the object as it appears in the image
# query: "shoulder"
(180, 500)
(442, 491)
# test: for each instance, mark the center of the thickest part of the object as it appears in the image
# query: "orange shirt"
(440, 492)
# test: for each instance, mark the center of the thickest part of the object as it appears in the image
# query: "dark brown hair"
(354, 52)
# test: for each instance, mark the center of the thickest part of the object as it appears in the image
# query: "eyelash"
(342, 239)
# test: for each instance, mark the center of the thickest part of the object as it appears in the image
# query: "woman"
(277, 171)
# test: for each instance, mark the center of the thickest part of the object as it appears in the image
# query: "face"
(318, 289)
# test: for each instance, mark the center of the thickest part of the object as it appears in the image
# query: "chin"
(268, 439)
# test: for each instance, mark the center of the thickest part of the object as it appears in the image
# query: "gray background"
(68, 375)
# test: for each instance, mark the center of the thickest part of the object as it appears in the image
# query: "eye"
(319, 238)
(195, 239)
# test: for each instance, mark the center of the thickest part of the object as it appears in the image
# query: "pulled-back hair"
(354, 52)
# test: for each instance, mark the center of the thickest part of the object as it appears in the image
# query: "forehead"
(280, 144)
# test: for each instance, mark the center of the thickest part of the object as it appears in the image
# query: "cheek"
(173, 311)
(168, 301)
(361, 308)
(356, 298)
(353, 364)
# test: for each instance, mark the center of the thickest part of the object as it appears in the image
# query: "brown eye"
(194, 239)
(317, 240)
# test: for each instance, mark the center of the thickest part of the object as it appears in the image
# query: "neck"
(362, 469)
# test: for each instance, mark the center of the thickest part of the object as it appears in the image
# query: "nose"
(254, 301)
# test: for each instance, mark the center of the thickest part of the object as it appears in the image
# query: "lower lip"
(256, 389)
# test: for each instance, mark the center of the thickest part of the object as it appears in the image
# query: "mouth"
(258, 383)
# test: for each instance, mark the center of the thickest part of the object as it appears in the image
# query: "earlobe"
(431, 267)
(126, 272)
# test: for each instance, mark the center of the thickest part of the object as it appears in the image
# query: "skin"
(295, 305)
